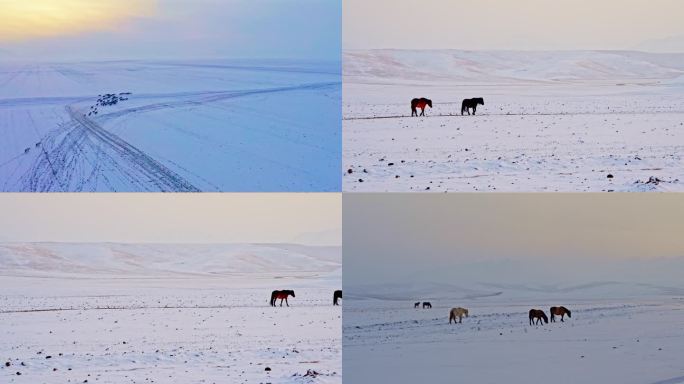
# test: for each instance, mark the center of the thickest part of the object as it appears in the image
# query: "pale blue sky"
(304, 218)
(552, 238)
(653, 25)
(134, 29)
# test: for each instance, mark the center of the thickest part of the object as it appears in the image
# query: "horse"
(457, 312)
(538, 315)
(559, 311)
(336, 296)
(416, 305)
(282, 295)
(420, 103)
(426, 304)
(471, 103)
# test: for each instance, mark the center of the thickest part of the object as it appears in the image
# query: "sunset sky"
(133, 29)
(304, 218)
(520, 24)
(513, 237)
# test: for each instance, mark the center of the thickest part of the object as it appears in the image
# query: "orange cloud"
(23, 20)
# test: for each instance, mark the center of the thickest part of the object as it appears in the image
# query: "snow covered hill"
(165, 260)
(511, 66)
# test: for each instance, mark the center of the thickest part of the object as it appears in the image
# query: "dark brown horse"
(282, 295)
(416, 305)
(336, 296)
(559, 311)
(538, 315)
(467, 104)
(420, 103)
(426, 304)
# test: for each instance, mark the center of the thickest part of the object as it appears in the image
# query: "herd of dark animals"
(106, 100)
(285, 293)
(536, 316)
(466, 105)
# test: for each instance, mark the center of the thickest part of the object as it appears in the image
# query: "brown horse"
(420, 103)
(282, 295)
(538, 315)
(336, 296)
(559, 311)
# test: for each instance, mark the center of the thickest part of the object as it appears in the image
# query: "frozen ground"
(185, 126)
(636, 338)
(115, 313)
(552, 121)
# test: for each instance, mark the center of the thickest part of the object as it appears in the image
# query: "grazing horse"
(471, 103)
(457, 312)
(538, 315)
(420, 103)
(559, 311)
(416, 305)
(282, 295)
(336, 296)
(426, 304)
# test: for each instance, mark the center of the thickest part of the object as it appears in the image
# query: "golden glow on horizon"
(29, 19)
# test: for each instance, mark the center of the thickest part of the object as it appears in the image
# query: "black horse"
(471, 103)
(420, 103)
(416, 305)
(426, 304)
(282, 295)
(336, 296)
(537, 315)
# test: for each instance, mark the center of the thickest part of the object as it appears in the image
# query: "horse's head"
(568, 311)
(480, 101)
(429, 103)
(466, 312)
(546, 319)
(291, 293)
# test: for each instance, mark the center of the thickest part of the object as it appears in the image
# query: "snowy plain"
(551, 121)
(144, 313)
(176, 126)
(618, 333)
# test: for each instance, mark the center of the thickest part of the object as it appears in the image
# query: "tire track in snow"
(85, 139)
(82, 143)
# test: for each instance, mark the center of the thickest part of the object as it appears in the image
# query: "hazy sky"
(513, 237)
(125, 29)
(305, 218)
(519, 24)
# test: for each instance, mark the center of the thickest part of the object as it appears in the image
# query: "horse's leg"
(288, 304)
(474, 108)
(562, 317)
(459, 319)
(281, 302)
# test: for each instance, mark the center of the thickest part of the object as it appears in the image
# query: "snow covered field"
(175, 126)
(551, 121)
(618, 333)
(113, 313)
